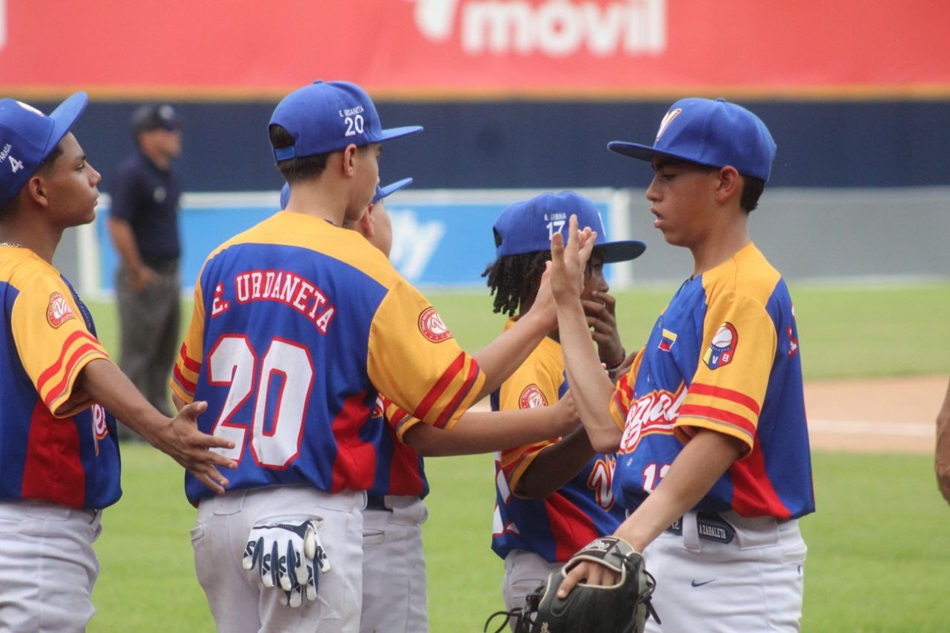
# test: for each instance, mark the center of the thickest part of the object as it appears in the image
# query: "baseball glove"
(621, 608)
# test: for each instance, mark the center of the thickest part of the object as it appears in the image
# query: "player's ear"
(730, 183)
(37, 190)
(349, 159)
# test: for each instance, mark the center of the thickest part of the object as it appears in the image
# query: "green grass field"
(879, 556)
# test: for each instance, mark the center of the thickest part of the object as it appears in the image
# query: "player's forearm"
(485, 432)
(124, 241)
(942, 454)
(106, 384)
(506, 353)
(691, 475)
(590, 384)
(554, 466)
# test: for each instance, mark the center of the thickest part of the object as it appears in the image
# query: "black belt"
(709, 525)
(377, 502)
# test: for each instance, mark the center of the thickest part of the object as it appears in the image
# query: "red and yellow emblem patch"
(532, 398)
(58, 311)
(432, 326)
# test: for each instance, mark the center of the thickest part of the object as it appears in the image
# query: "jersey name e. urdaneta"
(723, 356)
(55, 443)
(296, 325)
(583, 509)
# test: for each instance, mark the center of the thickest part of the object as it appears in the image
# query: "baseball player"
(59, 454)
(709, 425)
(394, 570)
(552, 496)
(297, 323)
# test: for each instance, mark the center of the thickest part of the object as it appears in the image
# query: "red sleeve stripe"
(56, 368)
(440, 386)
(59, 390)
(186, 385)
(726, 394)
(449, 411)
(717, 415)
(189, 363)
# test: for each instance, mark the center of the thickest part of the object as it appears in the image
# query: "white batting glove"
(284, 550)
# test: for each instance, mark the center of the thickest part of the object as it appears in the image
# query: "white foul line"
(855, 427)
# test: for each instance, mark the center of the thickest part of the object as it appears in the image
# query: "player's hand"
(544, 306)
(183, 442)
(568, 262)
(142, 277)
(589, 573)
(601, 314)
(284, 551)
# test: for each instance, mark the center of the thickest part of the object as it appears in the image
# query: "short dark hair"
(12, 207)
(514, 280)
(294, 169)
(751, 192)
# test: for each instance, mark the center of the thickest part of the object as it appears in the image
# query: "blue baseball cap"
(28, 137)
(527, 227)
(709, 132)
(381, 192)
(326, 116)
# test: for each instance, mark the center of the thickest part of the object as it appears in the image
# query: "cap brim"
(620, 251)
(390, 189)
(396, 132)
(645, 152)
(63, 118)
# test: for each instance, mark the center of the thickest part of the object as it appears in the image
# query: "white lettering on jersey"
(414, 243)
(555, 28)
(288, 289)
(653, 413)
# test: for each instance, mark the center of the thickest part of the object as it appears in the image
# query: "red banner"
(456, 49)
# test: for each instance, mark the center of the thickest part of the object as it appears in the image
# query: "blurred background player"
(297, 323)
(713, 460)
(143, 223)
(59, 454)
(554, 496)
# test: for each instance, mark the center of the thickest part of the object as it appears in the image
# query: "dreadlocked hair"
(514, 280)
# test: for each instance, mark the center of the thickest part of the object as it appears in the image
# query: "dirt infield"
(877, 415)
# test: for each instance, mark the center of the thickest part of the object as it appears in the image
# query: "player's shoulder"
(24, 270)
(748, 273)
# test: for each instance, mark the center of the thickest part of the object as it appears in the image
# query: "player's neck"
(719, 246)
(41, 242)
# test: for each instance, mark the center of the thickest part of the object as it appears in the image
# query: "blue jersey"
(400, 470)
(55, 443)
(583, 509)
(296, 325)
(724, 356)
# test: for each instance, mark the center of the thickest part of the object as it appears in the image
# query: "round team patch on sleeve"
(432, 326)
(58, 311)
(722, 348)
(532, 398)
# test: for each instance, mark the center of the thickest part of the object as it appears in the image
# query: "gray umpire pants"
(150, 321)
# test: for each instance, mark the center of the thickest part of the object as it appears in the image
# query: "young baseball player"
(59, 454)
(297, 323)
(709, 425)
(394, 569)
(553, 496)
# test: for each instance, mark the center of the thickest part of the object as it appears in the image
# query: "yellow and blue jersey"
(296, 325)
(724, 356)
(583, 509)
(55, 443)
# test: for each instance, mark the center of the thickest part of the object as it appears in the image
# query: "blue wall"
(552, 145)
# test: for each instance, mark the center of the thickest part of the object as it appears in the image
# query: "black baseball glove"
(621, 608)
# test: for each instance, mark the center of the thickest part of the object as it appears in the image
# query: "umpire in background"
(143, 224)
